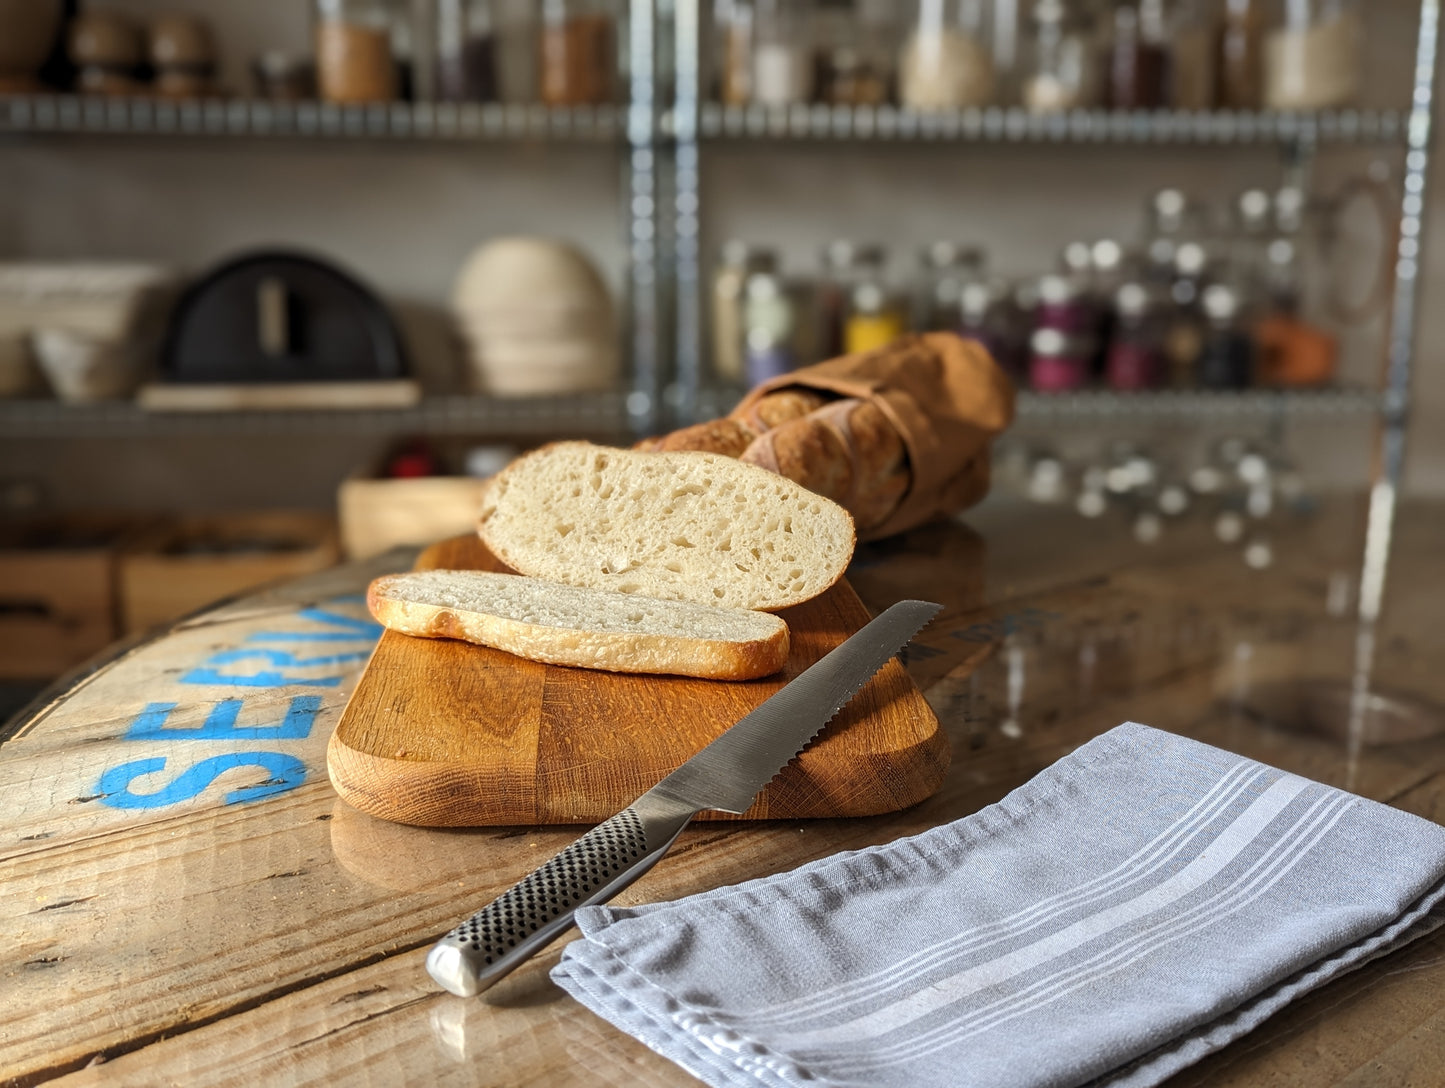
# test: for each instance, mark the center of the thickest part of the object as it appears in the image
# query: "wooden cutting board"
(442, 733)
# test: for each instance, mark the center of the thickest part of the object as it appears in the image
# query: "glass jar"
(734, 20)
(769, 325)
(1241, 55)
(854, 46)
(1312, 61)
(1063, 304)
(466, 51)
(845, 264)
(1064, 74)
(354, 61)
(738, 262)
(1226, 359)
(1194, 55)
(1138, 57)
(1135, 356)
(988, 314)
(577, 53)
(875, 318)
(948, 268)
(781, 72)
(946, 62)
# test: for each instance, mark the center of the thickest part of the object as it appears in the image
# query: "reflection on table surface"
(288, 932)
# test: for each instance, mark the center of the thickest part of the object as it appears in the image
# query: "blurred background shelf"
(69, 115)
(509, 418)
(1017, 125)
(1183, 404)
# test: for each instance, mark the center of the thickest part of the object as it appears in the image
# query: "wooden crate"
(58, 592)
(187, 563)
(377, 515)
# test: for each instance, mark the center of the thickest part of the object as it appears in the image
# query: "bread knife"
(724, 776)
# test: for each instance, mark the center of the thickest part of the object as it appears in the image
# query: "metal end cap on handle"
(448, 965)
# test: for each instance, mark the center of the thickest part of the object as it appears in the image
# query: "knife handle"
(527, 917)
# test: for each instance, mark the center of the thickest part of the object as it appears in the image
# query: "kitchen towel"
(1135, 906)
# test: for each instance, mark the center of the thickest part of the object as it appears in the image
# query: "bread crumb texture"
(678, 526)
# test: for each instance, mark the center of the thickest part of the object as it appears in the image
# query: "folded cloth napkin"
(1137, 905)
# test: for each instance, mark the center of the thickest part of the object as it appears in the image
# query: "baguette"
(677, 526)
(589, 628)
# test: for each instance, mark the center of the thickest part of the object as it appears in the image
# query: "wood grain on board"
(443, 733)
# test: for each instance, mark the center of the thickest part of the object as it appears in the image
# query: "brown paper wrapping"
(947, 398)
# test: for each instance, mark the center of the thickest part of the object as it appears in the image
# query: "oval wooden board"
(441, 733)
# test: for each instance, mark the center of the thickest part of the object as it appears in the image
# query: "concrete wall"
(404, 218)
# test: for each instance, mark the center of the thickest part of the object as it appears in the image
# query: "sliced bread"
(679, 526)
(573, 625)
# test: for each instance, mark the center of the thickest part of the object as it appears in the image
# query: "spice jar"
(1241, 55)
(769, 323)
(1058, 362)
(1135, 356)
(874, 320)
(1194, 55)
(738, 262)
(1064, 75)
(845, 265)
(948, 268)
(353, 51)
(577, 52)
(1137, 58)
(1226, 358)
(946, 61)
(1312, 62)
(781, 72)
(466, 51)
(1063, 304)
(734, 22)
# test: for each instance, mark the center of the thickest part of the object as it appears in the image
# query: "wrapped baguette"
(897, 436)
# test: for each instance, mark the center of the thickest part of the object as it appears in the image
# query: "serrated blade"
(733, 768)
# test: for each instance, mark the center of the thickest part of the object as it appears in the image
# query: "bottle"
(1058, 362)
(769, 325)
(1291, 351)
(1184, 331)
(781, 73)
(1064, 74)
(988, 314)
(1063, 304)
(1312, 61)
(855, 43)
(1138, 58)
(734, 21)
(1135, 357)
(845, 264)
(466, 51)
(948, 268)
(1226, 358)
(1241, 55)
(576, 56)
(946, 61)
(354, 62)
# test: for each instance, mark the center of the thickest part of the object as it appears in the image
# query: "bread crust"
(630, 652)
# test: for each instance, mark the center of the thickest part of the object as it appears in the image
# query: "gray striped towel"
(1137, 905)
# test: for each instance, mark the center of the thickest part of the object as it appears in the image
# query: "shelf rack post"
(686, 207)
(644, 337)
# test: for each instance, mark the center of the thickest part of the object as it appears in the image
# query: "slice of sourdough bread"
(572, 625)
(679, 526)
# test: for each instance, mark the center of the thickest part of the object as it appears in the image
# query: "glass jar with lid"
(769, 324)
(738, 261)
(733, 21)
(1064, 73)
(782, 72)
(947, 61)
(854, 48)
(845, 264)
(1135, 355)
(466, 51)
(577, 59)
(354, 61)
(1241, 55)
(1058, 361)
(1312, 60)
(875, 318)
(1194, 34)
(989, 314)
(948, 268)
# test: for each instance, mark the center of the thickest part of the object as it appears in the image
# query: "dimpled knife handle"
(524, 919)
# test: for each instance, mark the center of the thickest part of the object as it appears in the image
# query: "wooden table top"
(186, 901)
